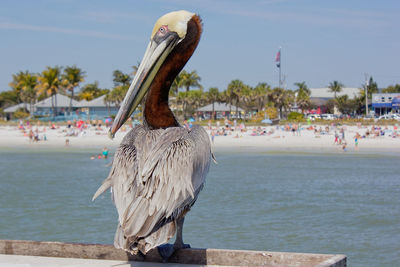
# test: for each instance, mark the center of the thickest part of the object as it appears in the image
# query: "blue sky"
(321, 40)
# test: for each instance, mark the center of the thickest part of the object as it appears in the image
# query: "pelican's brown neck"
(157, 113)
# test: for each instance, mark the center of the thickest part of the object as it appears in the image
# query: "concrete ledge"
(185, 256)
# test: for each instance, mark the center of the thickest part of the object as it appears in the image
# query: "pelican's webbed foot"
(167, 250)
(186, 246)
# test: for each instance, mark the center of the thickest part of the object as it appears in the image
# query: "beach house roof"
(83, 103)
(326, 93)
(62, 102)
(12, 109)
(219, 107)
(97, 102)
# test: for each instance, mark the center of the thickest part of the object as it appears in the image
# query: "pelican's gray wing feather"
(155, 178)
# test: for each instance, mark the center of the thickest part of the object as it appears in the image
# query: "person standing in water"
(105, 152)
(356, 138)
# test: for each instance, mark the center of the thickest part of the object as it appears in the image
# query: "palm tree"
(49, 83)
(224, 96)
(91, 91)
(183, 98)
(372, 87)
(190, 101)
(227, 97)
(302, 87)
(189, 79)
(88, 96)
(16, 85)
(234, 92)
(279, 98)
(248, 96)
(303, 96)
(196, 98)
(24, 84)
(262, 93)
(289, 100)
(29, 85)
(213, 96)
(71, 79)
(121, 86)
(117, 94)
(335, 87)
(359, 102)
(345, 105)
(8, 98)
(392, 89)
(176, 84)
(303, 101)
(121, 78)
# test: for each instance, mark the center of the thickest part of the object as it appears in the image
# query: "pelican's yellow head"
(175, 22)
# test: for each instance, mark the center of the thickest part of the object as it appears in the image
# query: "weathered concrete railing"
(186, 256)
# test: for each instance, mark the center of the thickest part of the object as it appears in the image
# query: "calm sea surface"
(299, 202)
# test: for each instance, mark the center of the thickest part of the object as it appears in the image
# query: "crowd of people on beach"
(37, 132)
(31, 132)
(72, 128)
(278, 131)
(40, 131)
(79, 127)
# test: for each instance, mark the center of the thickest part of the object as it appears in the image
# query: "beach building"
(386, 103)
(98, 108)
(61, 103)
(221, 109)
(19, 106)
(10, 110)
(320, 96)
(94, 109)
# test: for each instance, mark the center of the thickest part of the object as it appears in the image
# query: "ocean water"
(338, 203)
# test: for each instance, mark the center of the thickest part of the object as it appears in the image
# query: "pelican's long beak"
(156, 53)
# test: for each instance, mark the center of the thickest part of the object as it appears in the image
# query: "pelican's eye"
(163, 29)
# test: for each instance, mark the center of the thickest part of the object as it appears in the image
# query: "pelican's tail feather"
(106, 184)
(144, 245)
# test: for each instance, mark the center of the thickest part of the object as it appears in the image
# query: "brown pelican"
(160, 167)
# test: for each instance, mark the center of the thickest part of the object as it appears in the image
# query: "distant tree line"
(186, 92)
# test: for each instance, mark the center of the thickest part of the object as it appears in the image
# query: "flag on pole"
(278, 59)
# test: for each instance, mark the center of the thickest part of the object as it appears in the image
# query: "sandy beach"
(317, 139)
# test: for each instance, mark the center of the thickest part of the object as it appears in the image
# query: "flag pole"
(366, 93)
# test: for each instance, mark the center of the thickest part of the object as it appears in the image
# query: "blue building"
(97, 108)
(61, 102)
(386, 103)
